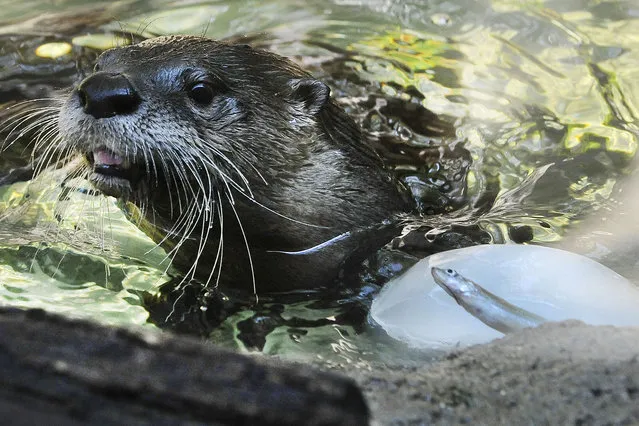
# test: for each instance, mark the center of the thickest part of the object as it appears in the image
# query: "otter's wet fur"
(231, 158)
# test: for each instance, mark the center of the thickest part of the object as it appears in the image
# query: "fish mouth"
(112, 174)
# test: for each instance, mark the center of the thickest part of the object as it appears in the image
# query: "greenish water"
(517, 86)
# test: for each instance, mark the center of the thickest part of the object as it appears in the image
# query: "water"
(510, 121)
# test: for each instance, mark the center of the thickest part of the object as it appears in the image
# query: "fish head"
(451, 281)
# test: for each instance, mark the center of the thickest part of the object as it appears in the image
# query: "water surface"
(510, 121)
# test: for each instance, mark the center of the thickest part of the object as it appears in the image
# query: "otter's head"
(190, 115)
(190, 130)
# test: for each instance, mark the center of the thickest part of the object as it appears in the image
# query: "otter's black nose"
(105, 95)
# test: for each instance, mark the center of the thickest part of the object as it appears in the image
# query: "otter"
(233, 159)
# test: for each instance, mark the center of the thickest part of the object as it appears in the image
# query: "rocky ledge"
(558, 373)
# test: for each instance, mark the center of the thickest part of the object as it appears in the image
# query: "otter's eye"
(201, 93)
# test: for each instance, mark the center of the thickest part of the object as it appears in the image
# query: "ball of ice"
(552, 283)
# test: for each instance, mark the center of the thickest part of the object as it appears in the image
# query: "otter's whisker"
(188, 163)
(47, 132)
(248, 250)
(52, 232)
(207, 225)
(219, 256)
(174, 306)
(16, 120)
(52, 139)
(30, 101)
(32, 115)
(219, 154)
(46, 158)
(182, 229)
(223, 175)
(254, 201)
(79, 209)
(248, 196)
(171, 180)
(250, 163)
(174, 252)
(204, 232)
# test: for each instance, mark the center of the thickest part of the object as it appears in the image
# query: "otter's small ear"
(313, 94)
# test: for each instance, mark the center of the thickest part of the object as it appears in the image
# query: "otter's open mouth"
(112, 174)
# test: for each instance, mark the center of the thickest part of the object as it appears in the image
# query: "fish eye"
(201, 93)
(450, 271)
